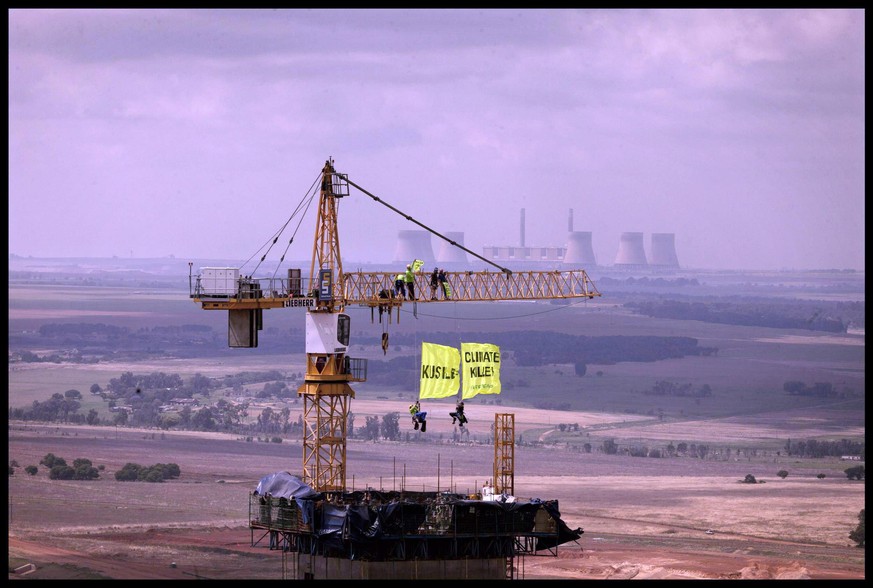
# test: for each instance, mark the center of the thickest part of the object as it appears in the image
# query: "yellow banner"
(481, 369)
(440, 375)
(416, 265)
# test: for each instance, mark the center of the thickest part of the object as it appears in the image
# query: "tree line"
(830, 317)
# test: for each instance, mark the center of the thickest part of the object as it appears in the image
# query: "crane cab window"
(343, 329)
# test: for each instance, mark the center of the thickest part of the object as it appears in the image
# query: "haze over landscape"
(196, 133)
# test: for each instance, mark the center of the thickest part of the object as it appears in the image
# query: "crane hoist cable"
(443, 237)
(303, 206)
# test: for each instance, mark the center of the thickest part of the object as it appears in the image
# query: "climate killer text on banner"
(440, 371)
(481, 369)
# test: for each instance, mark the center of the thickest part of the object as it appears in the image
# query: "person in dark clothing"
(458, 415)
(444, 283)
(434, 283)
(409, 277)
(384, 294)
(400, 285)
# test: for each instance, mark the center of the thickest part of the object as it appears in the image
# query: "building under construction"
(401, 535)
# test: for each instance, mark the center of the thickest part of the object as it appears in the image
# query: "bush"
(50, 460)
(749, 479)
(821, 476)
(855, 473)
(782, 474)
(129, 473)
(858, 534)
(62, 472)
(31, 469)
(132, 472)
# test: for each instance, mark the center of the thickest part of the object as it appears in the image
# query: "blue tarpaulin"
(284, 485)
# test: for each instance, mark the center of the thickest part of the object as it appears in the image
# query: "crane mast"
(326, 247)
(326, 390)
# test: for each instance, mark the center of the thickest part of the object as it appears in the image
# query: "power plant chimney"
(570, 222)
(413, 245)
(579, 249)
(631, 253)
(664, 250)
(522, 228)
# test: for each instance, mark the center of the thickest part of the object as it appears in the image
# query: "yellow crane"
(325, 390)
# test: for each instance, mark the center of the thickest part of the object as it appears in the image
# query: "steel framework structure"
(504, 453)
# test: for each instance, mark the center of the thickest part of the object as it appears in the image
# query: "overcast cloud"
(196, 133)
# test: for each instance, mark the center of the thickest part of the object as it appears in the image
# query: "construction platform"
(372, 534)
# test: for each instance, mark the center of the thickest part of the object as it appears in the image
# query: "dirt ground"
(642, 518)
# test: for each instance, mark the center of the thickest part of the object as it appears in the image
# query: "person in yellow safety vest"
(410, 282)
(444, 282)
(400, 285)
(418, 417)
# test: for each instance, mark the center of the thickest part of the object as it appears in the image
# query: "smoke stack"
(570, 222)
(631, 252)
(579, 249)
(664, 250)
(521, 228)
(449, 253)
(413, 245)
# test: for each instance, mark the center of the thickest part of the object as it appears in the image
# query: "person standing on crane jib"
(409, 278)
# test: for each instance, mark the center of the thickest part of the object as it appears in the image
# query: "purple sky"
(196, 133)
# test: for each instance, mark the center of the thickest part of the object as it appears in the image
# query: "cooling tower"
(413, 245)
(579, 249)
(664, 250)
(449, 253)
(631, 252)
(521, 229)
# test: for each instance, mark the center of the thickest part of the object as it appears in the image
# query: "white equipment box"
(219, 281)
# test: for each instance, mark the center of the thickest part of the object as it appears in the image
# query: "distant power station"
(577, 251)
(448, 253)
(580, 249)
(664, 250)
(631, 253)
(419, 245)
(413, 245)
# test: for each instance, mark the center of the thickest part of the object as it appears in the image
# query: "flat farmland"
(644, 518)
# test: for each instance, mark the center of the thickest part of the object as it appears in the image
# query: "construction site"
(321, 528)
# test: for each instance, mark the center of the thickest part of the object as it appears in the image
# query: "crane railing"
(377, 289)
(365, 287)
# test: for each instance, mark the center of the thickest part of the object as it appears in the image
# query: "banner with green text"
(481, 368)
(440, 375)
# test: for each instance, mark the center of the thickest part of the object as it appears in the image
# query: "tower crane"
(326, 389)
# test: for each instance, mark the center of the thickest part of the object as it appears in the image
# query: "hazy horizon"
(196, 133)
